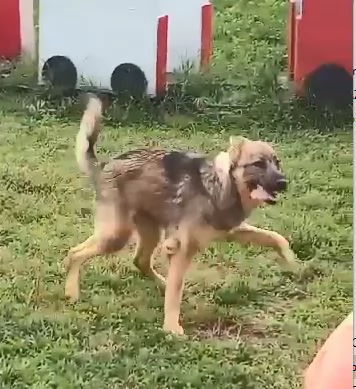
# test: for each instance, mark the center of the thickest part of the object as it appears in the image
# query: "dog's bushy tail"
(90, 126)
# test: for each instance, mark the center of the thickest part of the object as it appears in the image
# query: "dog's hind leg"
(148, 235)
(247, 234)
(95, 245)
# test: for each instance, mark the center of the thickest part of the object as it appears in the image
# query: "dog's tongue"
(260, 194)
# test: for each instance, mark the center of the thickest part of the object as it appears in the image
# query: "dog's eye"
(261, 163)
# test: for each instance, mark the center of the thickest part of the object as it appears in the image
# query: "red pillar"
(10, 36)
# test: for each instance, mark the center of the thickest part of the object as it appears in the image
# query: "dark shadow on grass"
(206, 100)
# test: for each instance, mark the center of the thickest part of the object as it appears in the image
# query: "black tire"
(330, 85)
(128, 81)
(60, 72)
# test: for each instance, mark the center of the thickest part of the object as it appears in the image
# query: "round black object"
(329, 85)
(128, 80)
(60, 72)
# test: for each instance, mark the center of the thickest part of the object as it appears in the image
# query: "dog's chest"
(225, 219)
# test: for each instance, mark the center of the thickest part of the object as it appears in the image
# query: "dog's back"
(162, 184)
(165, 185)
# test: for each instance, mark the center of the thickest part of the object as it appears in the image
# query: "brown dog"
(194, 199)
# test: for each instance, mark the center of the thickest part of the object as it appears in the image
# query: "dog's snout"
(281, 184)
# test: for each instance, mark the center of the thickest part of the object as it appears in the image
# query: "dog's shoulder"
(179, 164)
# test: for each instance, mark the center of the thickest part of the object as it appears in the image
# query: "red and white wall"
(99, 35)
(185, 37)
(190, 32)
(17, 32)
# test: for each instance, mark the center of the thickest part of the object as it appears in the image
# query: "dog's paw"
(71, 291)
(291, 261)
(174, 329)
(170, 246)
(71, 297)
(291, 266)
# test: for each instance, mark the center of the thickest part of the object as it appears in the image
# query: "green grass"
(248, 324)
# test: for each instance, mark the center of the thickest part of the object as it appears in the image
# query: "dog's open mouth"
(272, 199)
(262, 194)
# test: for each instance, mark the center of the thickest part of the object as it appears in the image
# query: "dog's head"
(255, 168)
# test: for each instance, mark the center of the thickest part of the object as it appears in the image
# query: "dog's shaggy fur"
(195, 199)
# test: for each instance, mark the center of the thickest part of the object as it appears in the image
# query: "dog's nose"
(281, 184)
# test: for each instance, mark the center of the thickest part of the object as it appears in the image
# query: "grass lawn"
(248, 324)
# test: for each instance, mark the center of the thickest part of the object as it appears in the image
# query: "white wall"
(98, 35)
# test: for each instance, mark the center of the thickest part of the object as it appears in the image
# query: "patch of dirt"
(231, 328)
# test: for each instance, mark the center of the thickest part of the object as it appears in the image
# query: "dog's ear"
(224, 160)
(237, 140)
(236, 144)
(222, 163)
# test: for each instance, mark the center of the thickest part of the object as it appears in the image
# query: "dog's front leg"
(179, 264)
(247, 234)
